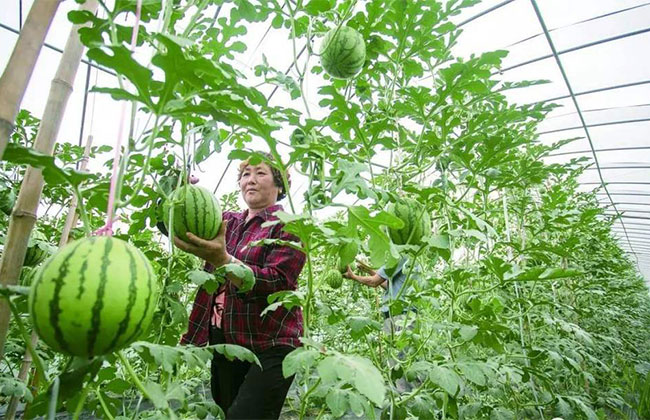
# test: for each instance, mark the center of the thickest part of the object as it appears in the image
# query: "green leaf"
(357, 371)
(361, 325)
(232, 352)
(315, 7)
(121, 60)
(200, 277)
(446, 379)
(564, 408)
(438, 241)
(243, 272)
(13, 387)
(502, 413)
(53, 175)
(336, 401)
(156, 394)
(301, 358)
(381, 249)
(357, 404)
(543, 273)
(348, 178)
(584, 407)
(467, 332)
(287, 298)
(473, 373)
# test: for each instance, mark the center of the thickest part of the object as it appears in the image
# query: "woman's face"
(257, 186)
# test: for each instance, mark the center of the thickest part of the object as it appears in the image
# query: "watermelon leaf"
(300, 359)
(53, 174)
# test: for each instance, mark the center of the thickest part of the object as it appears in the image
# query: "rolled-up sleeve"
(281, 268)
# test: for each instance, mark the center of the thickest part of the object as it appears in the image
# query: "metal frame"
(598, 90)
(572, 49)
(625, 203)
(624, 193)
(617, 183)
(618, 167)
(599, 150)
(556, 56)
(558, 130)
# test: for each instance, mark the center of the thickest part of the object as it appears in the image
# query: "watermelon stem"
(82, 211)
(107, 412)
(82, 400)
(28, 342)
(134, 376)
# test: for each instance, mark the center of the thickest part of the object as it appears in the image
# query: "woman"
(241, 389)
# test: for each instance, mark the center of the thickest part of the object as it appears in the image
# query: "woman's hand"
(348, 273)
(213, 251)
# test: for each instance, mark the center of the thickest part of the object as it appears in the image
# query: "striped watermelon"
(196, 210)
(343, 52)
(334, 278)
(37, 249)
(7, 200)
(93, 296)
(417, 222)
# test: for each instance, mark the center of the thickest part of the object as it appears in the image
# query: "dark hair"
(277, 175)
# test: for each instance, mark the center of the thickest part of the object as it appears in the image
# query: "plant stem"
(133, 375)
(54, 398)
(23, 332)
(303, 402)
(107, 412)
(80, 405)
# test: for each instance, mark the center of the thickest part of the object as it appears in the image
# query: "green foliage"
(523, 306)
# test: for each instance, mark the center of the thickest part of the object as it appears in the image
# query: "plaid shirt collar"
(266, 214)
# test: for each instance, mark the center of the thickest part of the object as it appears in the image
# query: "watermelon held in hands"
(343, 52)
(334, 278)
(417, 222)
(196, 210)
(94, 296)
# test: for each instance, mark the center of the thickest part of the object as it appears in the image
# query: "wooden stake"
(70, 222)
(23, 217)
(20, 67)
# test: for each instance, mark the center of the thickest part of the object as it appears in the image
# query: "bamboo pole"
(70, 222)
(20, 67)
(23, 217)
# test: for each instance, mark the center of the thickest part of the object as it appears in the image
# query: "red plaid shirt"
(275, 267)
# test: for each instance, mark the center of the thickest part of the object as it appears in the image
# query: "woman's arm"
(373, 281)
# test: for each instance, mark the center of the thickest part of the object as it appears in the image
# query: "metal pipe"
(576, 48)
(558, 130)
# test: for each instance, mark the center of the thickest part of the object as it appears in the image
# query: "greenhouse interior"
(323, 209)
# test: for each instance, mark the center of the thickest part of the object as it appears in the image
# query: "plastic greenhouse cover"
(601, 44)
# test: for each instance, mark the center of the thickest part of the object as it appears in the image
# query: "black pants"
(242, 389)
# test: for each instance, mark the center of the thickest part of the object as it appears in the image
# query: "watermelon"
(37, 249)
(417, 222)
(7, 200)
(298, 137)
(196, 210)
(94, 296)
(334, 278)
(343, 52)
(27, 275)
